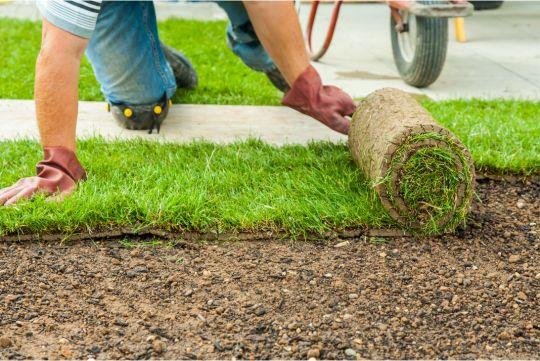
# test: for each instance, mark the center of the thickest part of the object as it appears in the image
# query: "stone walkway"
(500, 60)
(217, 123)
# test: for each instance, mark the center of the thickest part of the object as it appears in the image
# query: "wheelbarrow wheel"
(420, 51)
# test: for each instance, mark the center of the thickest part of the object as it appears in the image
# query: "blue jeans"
(128, 61)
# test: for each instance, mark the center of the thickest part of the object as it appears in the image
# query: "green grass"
(245, 186)
(427, 193)
(199, 186)
(502, 135)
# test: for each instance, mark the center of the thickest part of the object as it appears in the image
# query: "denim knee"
(242, 39)
(126, 54)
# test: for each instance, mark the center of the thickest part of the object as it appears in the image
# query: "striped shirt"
(75, 16)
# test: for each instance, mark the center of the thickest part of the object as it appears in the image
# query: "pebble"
(260, 311)
(342, 244)
(206, 273)
(353, 296)
(95, 349)
(504, 336)
(10, 298)
(521, 204)
(350, 353)
(5, 342)
(158, 346)
(522, 296)
(291, 326)
(136, 271)
(188, 292)
(313, 353)
(120, 322)
(66, 352)
(328, 275)
(382, 255)
(514, 258)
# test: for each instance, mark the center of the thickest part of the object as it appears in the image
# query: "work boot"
(184, 73)
(141, 117)
(277, 80)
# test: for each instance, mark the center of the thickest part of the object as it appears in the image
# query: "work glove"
(57, 174)
(328, 104)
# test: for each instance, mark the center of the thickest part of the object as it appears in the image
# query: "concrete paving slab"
(217, 123)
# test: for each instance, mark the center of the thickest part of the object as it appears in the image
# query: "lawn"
(244, 186)
(199, 186)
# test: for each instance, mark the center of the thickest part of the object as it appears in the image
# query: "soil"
(474, 294)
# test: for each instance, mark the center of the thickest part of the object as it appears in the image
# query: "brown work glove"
(58, 173)
(328, 104)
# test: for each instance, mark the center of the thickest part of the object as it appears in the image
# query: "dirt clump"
(454, 296)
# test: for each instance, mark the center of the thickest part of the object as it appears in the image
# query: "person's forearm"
(278, 28)
(56, 86)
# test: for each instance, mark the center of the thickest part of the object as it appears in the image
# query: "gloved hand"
(328, 104)
(57, 173)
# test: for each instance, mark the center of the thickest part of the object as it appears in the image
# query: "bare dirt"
(475, 294)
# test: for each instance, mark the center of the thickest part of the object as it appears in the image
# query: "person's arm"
(56, 86)
(277, 26)
(56, 96)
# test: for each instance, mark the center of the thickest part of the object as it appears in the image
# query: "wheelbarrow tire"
(425, 65)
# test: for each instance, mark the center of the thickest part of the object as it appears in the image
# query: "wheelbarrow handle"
(317, 54)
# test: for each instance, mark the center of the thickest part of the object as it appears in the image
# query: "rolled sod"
(423, 174)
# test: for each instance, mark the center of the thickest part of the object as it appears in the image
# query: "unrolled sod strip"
(422, 173)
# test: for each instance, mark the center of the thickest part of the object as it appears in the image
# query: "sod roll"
(423, 174)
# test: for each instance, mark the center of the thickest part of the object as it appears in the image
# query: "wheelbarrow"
(419, 36)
